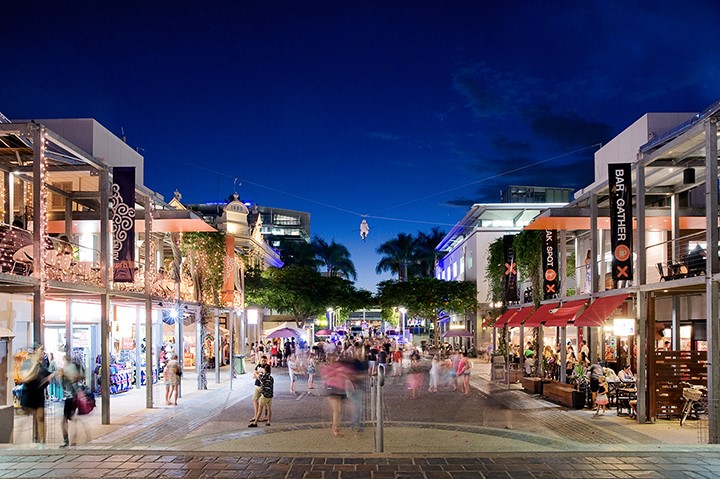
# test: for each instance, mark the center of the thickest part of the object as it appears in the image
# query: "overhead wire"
(374, 215)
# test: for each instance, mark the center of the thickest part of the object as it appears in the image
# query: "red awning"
(542, 314)
(599, 310)
(566, 313)
(505, 317)
(521, 316)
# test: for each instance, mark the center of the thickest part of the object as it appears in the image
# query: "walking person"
(601, 400)
(267, 389)
(435, 374)
(172, 376)
(292, 365)
(69, 376)
(36, 380)
(463, 374)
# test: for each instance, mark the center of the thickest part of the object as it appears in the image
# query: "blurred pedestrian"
(435, 374)
(292, 365)
(463, 373)
(414, 380)
(335, 378)
(257, 392)
(397, 358)
(69, 376)
(311, 371)
(36, 378)
(172, 376)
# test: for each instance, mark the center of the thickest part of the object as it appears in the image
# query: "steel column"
(104, 185)
(711, 285)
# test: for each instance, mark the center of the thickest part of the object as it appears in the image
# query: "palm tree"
(399, 255)
(334, 257)
(299, 253)
(425, 252)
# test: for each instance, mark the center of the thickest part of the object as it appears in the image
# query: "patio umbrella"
(283, 333)
(324, 332)
(456, 333)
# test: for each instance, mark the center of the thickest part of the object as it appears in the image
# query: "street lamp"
(330, 319)
(403, 320)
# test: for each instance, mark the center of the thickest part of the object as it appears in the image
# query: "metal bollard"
(372, 398)
(380, 410)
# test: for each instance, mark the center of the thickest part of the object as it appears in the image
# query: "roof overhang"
(163, 221)
(578, 219)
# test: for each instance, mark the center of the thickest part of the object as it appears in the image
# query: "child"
(602, 396)
(266, 391)
(311, 370)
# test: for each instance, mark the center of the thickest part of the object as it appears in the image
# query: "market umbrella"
(283, 333)
(456, 333)
(324, 332)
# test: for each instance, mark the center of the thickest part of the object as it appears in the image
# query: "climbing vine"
(204, 253)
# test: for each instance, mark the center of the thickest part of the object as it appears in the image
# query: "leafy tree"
(334, 257)
(299, 253)
(427, 297)
(302, 292)
(398, 255)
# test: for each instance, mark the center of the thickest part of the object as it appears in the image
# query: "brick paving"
(73, 464)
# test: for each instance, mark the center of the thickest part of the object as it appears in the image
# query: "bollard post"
(379, 410)
(372, 398)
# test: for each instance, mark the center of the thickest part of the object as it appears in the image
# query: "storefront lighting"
(623, 327)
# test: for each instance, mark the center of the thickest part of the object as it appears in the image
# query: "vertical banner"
(122, 206)
(510, 270)
(620, 183)
(550, 264)
(228, 291)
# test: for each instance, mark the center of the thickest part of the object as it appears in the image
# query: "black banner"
(510, 271)
(550, 264)
(122, 206)
(620, 183)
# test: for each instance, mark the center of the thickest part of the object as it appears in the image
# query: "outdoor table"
(624, 396)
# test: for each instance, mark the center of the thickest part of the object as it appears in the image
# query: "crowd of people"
(344, 366)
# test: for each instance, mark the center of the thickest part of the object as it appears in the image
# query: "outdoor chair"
(661, 271)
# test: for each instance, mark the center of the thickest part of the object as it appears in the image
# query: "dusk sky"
(405, 111)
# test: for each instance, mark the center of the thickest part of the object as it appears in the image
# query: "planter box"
(558, 392)
(532, 385)
(516, 376)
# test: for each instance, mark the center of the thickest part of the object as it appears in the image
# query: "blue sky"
(350, 108)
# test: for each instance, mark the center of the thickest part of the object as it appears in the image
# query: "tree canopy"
(427, 297)
(302, 292)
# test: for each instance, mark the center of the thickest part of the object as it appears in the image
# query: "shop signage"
(550, 264)
(122, 206)
(620, 183)
(510, 270)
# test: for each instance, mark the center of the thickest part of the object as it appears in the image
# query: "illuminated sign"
(623, 327)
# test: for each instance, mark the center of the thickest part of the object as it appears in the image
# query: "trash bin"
(239, 363)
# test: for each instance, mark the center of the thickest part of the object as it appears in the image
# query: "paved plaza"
(498, 431)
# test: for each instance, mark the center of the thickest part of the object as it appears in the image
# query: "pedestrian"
(267, 389)
(601, 400)
(311, 371)
(292, 365)
(463, 373)
(36, 378)
(414, 380)
(336, 376)
(257, 392)
(55, 391)
(435, 374)
(69, 376)
(397, 358)
(172, 376)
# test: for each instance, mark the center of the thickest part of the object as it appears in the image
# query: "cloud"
(568, 129)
